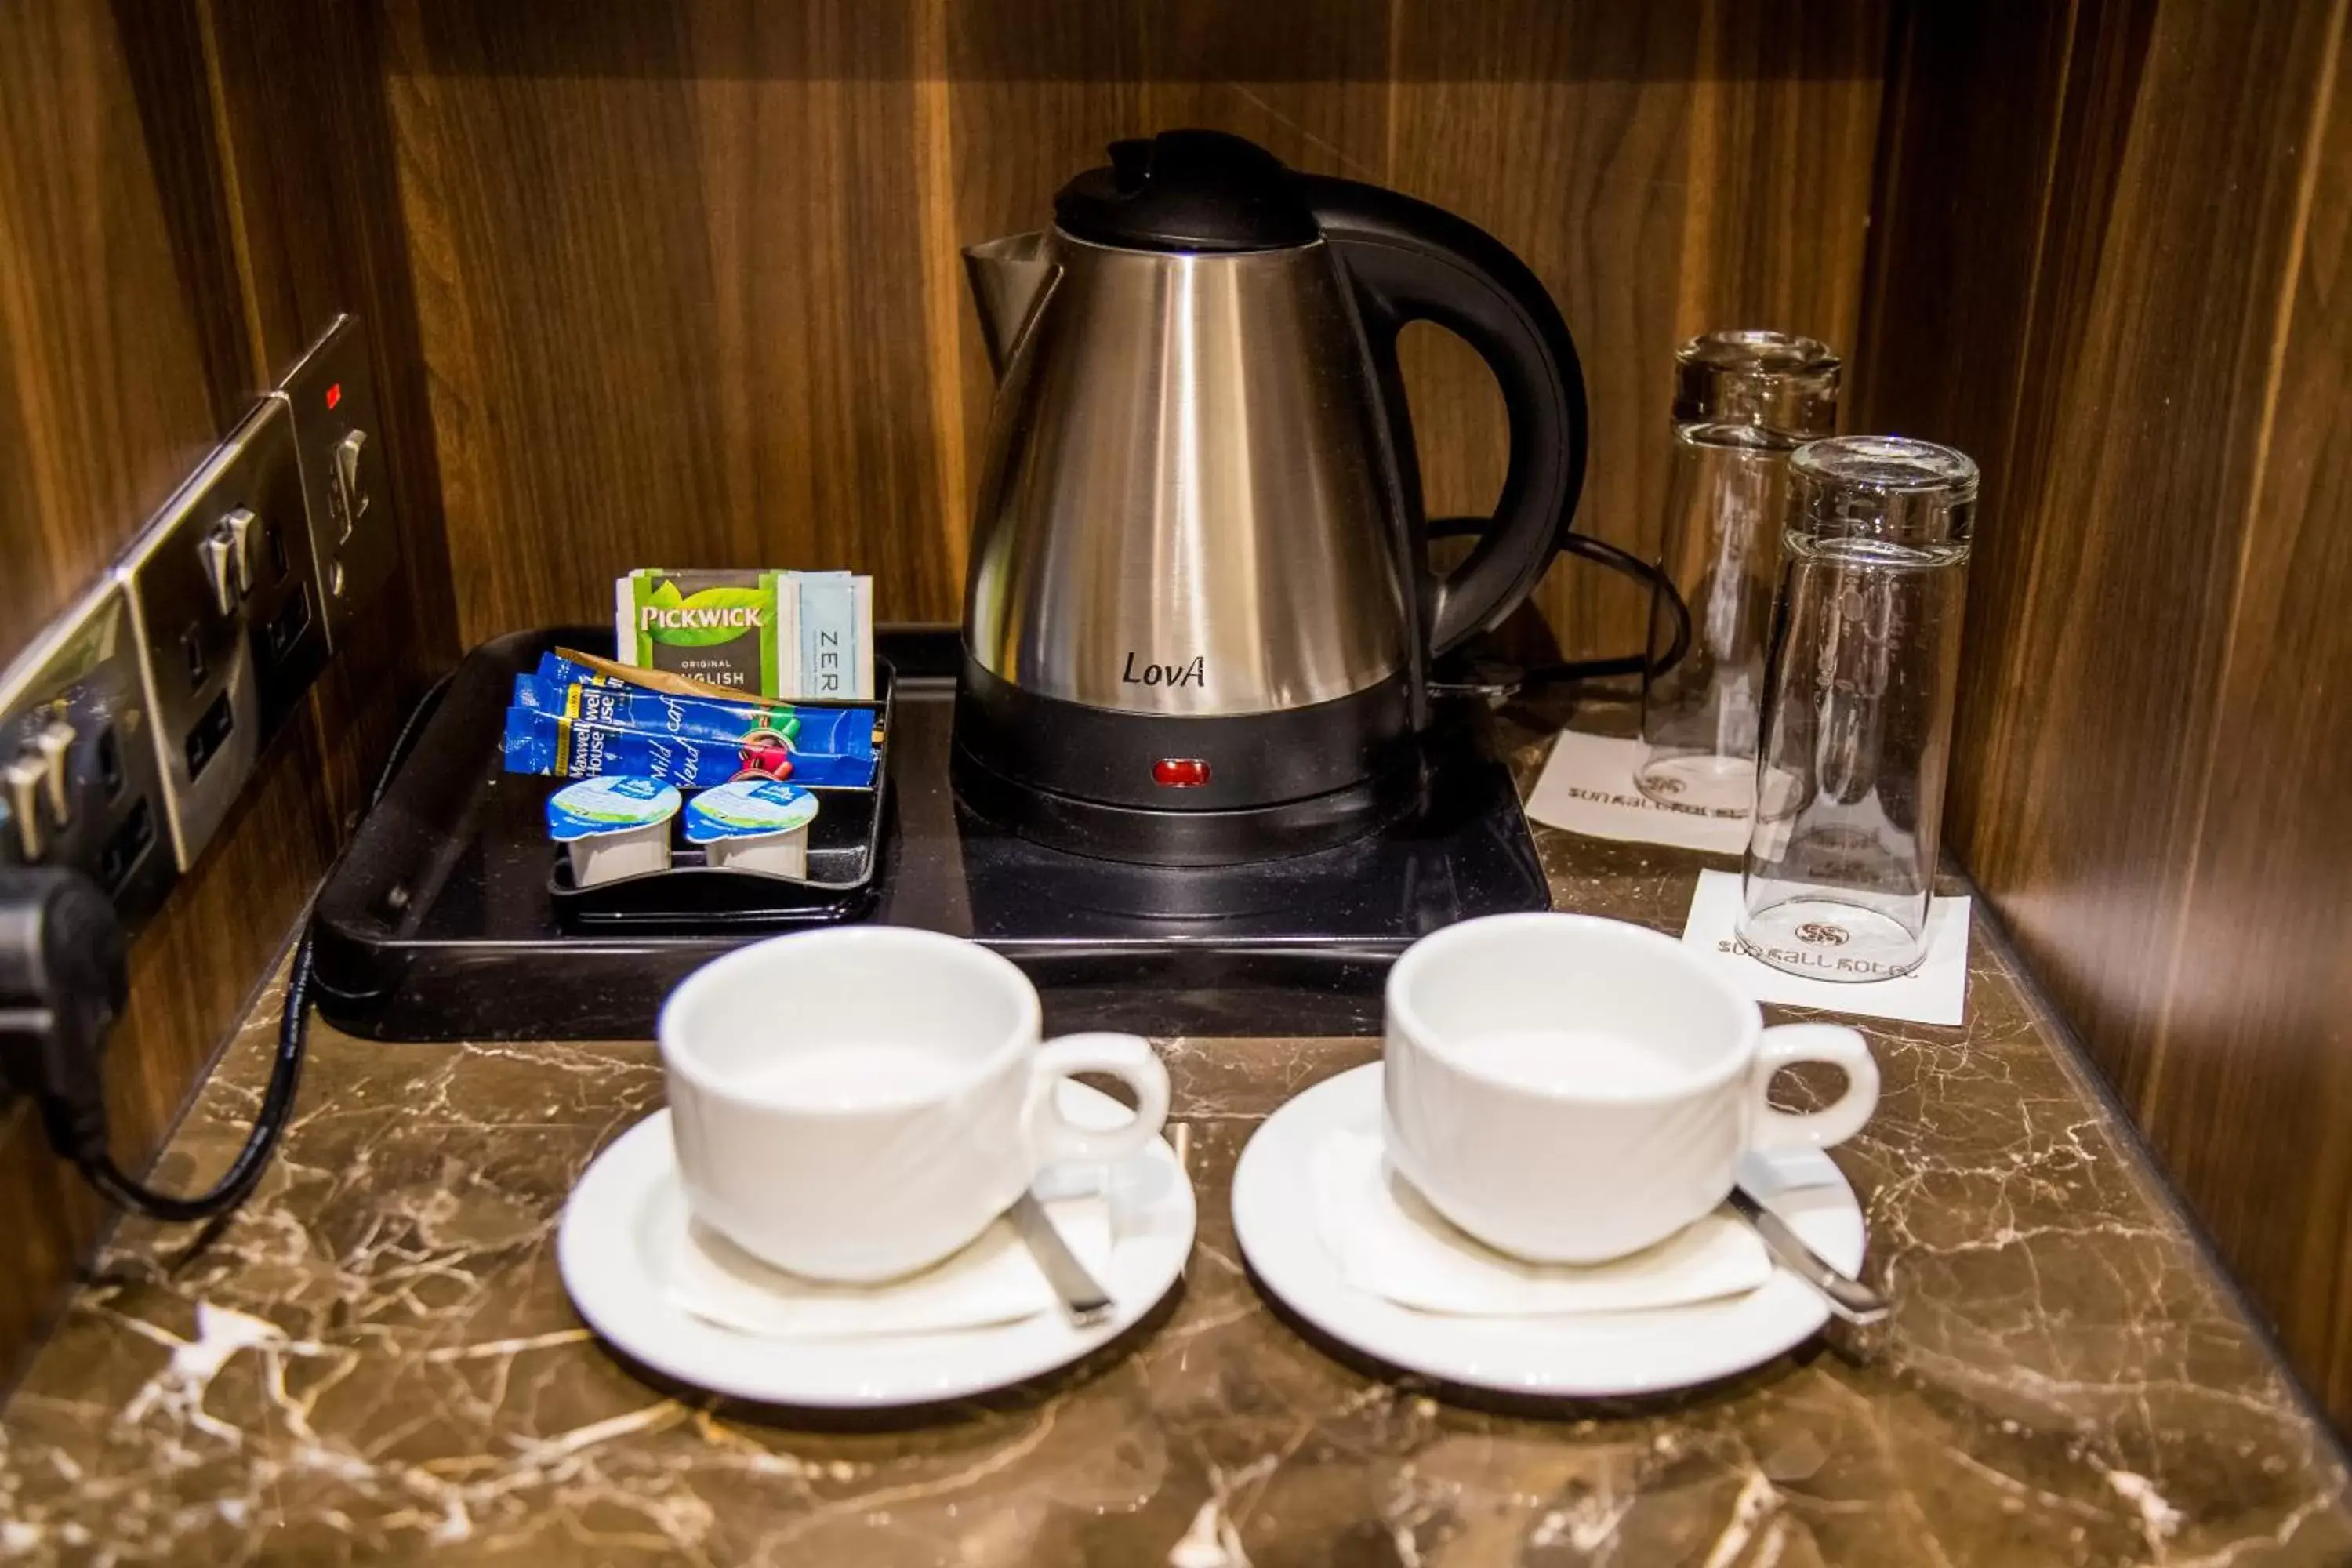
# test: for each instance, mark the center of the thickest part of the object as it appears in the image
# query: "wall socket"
(79, 779)
(331, 397)
(131, 723)
(222, 592)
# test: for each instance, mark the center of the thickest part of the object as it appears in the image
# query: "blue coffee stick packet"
(538, 742)
(843, 731)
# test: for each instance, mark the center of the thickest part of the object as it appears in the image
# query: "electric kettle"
(1199, 616)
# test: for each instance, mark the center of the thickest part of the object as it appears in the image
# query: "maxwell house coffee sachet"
(575, 720)
(538, 742)
(576, 691)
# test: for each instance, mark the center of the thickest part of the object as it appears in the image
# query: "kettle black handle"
(1410, 261)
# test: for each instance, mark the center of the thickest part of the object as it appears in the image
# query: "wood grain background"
(2115, 265)
(133, 272)
(688, 276)
(104, 409)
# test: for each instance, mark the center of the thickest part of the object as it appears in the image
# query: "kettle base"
(1148, 836)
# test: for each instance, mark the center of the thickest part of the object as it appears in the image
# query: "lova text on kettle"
(1194, 674)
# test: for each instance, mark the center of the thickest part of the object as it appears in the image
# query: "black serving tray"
(844, 852)
(440, 921)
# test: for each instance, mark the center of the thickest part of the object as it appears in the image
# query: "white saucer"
(1587, 1355)
(628, 1207)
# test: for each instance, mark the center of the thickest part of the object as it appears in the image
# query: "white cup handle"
(1129, 1058)
(1789, 1044)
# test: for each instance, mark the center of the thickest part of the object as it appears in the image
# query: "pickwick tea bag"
(728, 627)
(768, 632)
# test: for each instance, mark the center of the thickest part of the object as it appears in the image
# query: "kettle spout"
(1009, 276)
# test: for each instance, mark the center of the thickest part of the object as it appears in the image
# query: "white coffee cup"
(857, 1103)
(1570, 1090)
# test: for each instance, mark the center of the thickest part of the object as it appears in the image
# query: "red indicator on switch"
(335, 393)
(1180, 773)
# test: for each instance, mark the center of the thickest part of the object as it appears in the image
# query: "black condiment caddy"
(844, 852)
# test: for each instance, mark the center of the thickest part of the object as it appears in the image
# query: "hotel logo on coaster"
(1822, 933)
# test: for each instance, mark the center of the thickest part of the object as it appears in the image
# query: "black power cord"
(62, 962)
(96, 1162)
(1603, 554)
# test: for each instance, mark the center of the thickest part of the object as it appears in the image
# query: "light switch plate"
(222, 683)
(84, 677)
(331, 397)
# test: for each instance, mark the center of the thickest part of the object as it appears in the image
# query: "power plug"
(62, 983)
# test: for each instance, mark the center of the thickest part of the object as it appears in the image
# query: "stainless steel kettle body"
(1186, 508)
(1199, 618)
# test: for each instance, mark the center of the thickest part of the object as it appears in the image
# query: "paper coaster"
(1935, 993)
(1587, 786)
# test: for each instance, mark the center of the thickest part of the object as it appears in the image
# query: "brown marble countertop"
(376, 1361)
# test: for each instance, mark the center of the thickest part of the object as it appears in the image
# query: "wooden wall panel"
(688, 275)
(2114, 268)
(103, 407)
(662, 327)
(106, 404)
(319, 233)
(2251, 1074)
(103, 404)
(133, 265)
(1664, 170)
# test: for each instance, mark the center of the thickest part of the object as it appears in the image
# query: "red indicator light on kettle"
(1180, 773)
(334, 395)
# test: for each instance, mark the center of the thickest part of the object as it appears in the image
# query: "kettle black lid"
(1188, 190)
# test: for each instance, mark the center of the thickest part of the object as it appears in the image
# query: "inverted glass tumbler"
(1861, 674)
(1743, 402)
